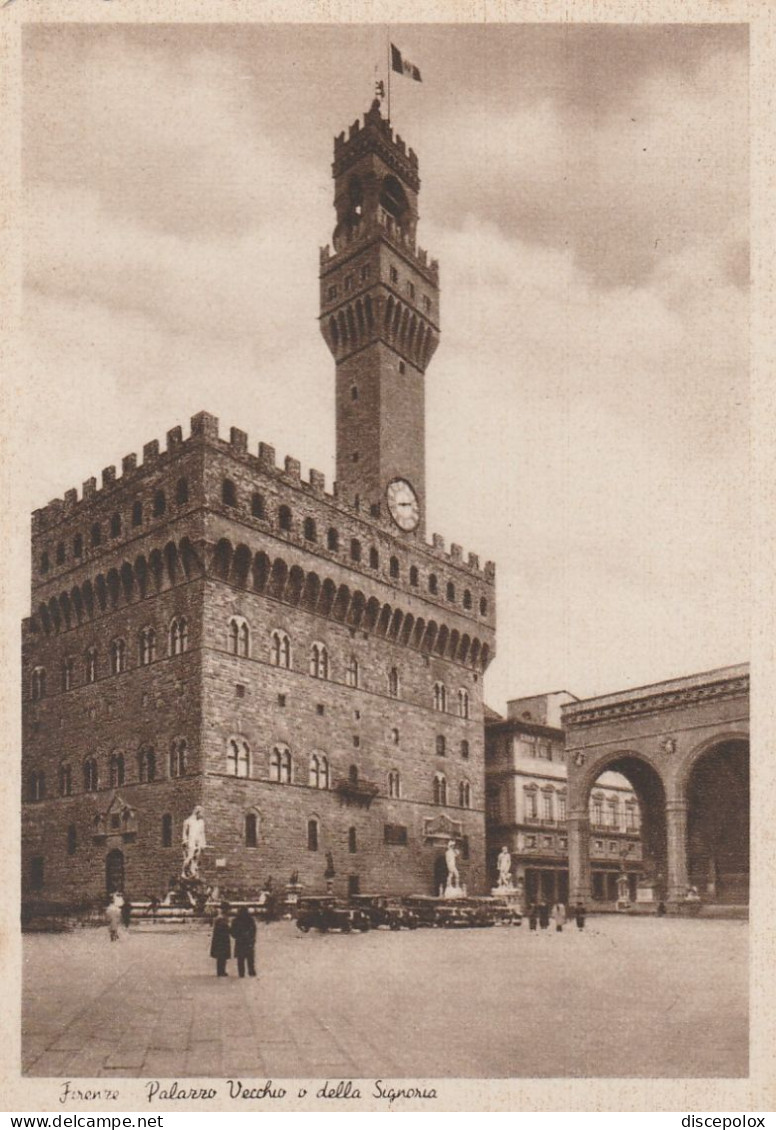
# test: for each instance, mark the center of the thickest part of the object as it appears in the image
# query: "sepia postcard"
(388, 557)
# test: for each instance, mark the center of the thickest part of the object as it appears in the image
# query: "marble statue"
(193, 841)
(504, 865)
(451, 859)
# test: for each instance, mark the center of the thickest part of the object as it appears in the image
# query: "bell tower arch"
(380, 320)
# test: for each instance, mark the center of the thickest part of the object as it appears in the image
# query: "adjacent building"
(527, 805)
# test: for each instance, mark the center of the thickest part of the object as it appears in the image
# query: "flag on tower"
(403, 66)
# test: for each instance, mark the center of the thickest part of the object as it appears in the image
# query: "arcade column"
(578, 826)
(676, 829)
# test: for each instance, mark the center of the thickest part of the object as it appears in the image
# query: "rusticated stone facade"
(210, 628)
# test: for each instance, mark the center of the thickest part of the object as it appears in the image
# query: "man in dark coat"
(579, 914)
(244, 933)
(544, 915)
(221, 942)
(533, 915)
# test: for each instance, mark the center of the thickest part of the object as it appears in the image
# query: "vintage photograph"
(467, 804)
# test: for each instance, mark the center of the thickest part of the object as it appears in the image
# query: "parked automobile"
(324, 914)
(385, 911)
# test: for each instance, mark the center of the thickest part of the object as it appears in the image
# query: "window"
(348, 283)
(96, 534)
(364, 272)
(351, 672)
(251, 829)
(280, 765)
(493, 806)
(312, 835)
(36, 786)
(440, 697)
(319, 661)
(91, 775)
(332, 540)
(393, 567)
(410, 289)
(61, 553)
(72, 839)
(530, 802)
(181, 492)
(354, 392)
(118, 657)
(179, 635)
(281, 700)
(630, 815)
(395, 736)
(178, 757)
(394, 784)
(160, 504)
(310, 532)
(137, 513)
(65, 780)
(331, 293)
(284, 519)
(116, 770)
(115, 525)
(319, 771)
(228, 493)
(238, 758)
(467, 599)
(613, 812)
(561, 808)
(355, 549)
(433, 584)
(146, 764)
(441, 745)
(394, 275)
(464, 749)
(38, 688)
(426, 303)
(464, 794)
(393, 682)
(483, 607)
(612, 847)
(280, 650)
(440, 788)
(167, 830)
(36, 873)
(44, 563)
(356, 740)
(239, 637)
(352, 842)
(258, 509)
(374, 558)
(546, 806)
(91, 665)
(147, 646)
(414, 576)
(450, 591)
(463, 703)
(395, 834)
(78, 545)
(597, 811)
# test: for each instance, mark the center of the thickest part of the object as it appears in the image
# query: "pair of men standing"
(243, 930)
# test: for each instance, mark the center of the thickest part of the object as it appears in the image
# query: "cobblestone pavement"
(628, 997)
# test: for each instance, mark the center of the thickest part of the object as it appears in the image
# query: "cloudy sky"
(585, 190)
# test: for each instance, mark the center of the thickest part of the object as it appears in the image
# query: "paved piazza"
(628, 997)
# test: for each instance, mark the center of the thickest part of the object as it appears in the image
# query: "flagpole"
(388, 47)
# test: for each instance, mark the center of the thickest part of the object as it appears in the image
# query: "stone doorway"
(114, 871)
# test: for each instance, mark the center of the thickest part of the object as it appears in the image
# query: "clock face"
(403, 504)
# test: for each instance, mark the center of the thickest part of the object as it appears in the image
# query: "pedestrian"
(661, 909)
(559, 914)
(113, 916)
(244, 933)
(579, 914)
(533, 916)
(544, 915)
(221, 942)
(126, 913)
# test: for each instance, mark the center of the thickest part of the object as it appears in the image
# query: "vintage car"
(324, 914)
(382, 910)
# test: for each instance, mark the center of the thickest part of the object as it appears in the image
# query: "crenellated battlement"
(376, 133)
(161, 470)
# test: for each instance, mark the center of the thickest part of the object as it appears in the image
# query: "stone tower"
(210, 627)
(380, 319)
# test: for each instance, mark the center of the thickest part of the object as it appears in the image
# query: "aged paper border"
(755, 1093)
